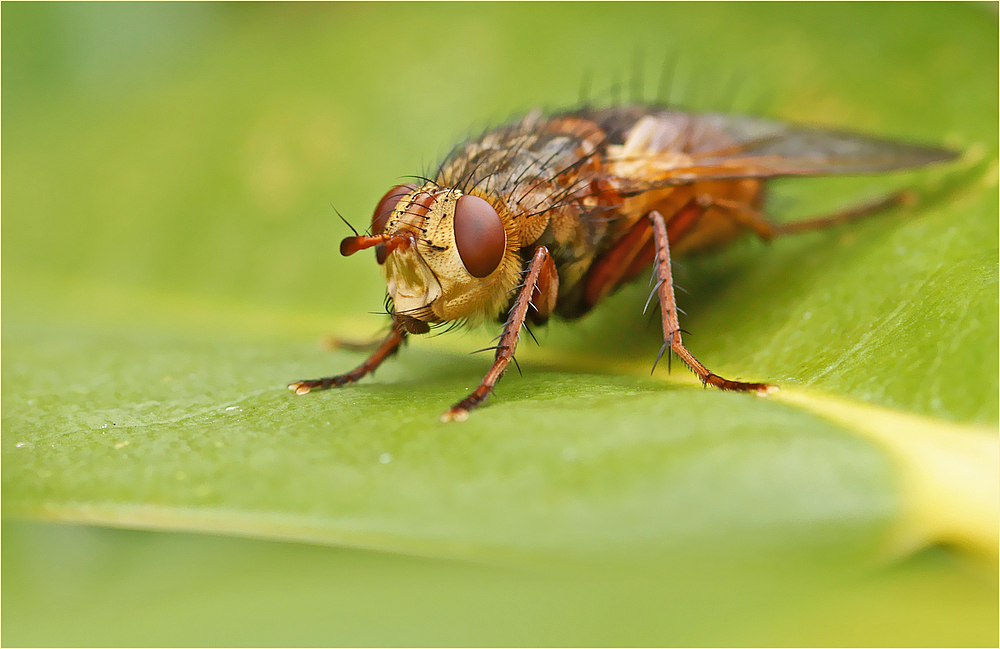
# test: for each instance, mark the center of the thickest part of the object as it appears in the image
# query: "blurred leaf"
(93, 586)
(170, 259)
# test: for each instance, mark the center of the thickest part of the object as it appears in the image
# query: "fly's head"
(446, 255)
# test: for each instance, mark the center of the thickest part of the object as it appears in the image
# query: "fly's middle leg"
(672, 341)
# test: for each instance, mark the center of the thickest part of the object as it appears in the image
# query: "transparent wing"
(673, 148)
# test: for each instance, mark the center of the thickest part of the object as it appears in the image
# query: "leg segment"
(671, 326)
(543, 298)
(508, 339)
(612, 269)
(332, 343)
(635, 252)
(388, 347)
(848, 215)
(751, 219)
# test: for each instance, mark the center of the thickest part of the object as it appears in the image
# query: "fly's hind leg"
(848, 215)
(752, 219)
(671, 326)
(387, 348)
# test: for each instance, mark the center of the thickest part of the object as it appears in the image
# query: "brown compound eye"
(382, 213)
(388, 203)
(479, 235)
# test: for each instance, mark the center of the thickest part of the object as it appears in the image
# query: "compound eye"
(384, 210)
(479, 235)
(388, 203)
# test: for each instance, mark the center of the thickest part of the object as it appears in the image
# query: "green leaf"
(170, 263)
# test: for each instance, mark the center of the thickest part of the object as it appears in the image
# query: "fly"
(548, 215)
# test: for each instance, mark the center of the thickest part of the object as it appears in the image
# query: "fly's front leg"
(332, 343)
(388, 347)
(541, 274)
(671, 326)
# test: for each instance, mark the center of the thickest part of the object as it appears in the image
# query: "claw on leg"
(454, 414)
(387, 348)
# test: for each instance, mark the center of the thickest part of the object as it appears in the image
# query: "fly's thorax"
(460, 260)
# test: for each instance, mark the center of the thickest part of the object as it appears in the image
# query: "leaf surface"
(170, 262)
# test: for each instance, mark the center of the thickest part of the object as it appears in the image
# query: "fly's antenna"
(346, 222)
(392, 242)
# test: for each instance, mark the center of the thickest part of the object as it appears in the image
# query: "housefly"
(548, 215)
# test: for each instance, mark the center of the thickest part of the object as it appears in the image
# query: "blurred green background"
(170, 262)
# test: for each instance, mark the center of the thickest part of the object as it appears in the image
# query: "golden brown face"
(446, 255)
